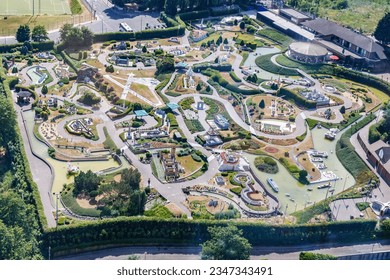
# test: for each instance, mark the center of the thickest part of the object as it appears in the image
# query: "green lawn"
(265, 63)
(308, 68)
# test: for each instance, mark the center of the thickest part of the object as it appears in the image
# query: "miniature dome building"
(307, 52)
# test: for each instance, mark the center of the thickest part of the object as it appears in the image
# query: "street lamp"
(345, 181)
(57, 198)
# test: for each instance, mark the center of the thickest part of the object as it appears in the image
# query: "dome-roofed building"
(307, 52)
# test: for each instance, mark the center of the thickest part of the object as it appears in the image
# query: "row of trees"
(38, 34)
(19, 225)
(75, 36)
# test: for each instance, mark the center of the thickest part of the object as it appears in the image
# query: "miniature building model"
(198, 35)
(229, 161)
(221, 121)
(170, 165)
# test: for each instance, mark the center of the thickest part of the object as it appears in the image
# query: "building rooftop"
(285, 24)
(308, 49)
(295, 14)
(326, 28)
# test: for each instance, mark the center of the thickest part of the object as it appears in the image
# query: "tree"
(208, 88)
(65, 31)
(242, 25)
(39, 34)
(15, 70)
(381, 32)
(226, 243)
(219, 40)
(242, 43)
(342, 110)
(89, 99)
(87, 36)
(29, 62)
(23, 33)
(165, 65)
(225, 41)
(262, 104)
(45, 90)
(86, 182)
(144, 49)
(110, 69)
(198, 87)
(170, 7)
(302, 175)
(75, 36)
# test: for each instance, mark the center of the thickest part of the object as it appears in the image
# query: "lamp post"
(345, 181)
(57, 198)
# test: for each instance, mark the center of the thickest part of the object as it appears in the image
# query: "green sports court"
(30, 7)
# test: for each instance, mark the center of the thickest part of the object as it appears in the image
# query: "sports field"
(42, 7)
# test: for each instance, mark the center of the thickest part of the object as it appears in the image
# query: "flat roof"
(294, 13)
(285, 24)
(140, 113)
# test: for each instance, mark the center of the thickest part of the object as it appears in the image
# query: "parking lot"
(136, 20)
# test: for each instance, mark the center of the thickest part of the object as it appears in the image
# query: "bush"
(266, 164)
(373, 134)
(196, 157)
(315, 256)
(236, 190)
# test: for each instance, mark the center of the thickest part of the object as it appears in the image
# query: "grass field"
(10, 23)
(30, 7)
(361, 15)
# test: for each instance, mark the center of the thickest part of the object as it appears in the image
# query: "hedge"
(69, 61)
(235, 77)
(40, 46)
(346, 153)
(194, 15)
(214, 66)
(216, 77)
(296, 97)
(148, 231)
(265, 63)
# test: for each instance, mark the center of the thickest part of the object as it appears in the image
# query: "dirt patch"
(117, 178)
(257, 196)
(281, 142)
(271, 150)
(86, 203)
(304, 161)
(221, 206)
(174, 209)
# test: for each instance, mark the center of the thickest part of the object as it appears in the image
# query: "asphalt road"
(258, 252)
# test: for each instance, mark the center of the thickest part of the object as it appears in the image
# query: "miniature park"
(231, 120)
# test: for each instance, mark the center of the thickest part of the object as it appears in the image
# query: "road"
(258, 252)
